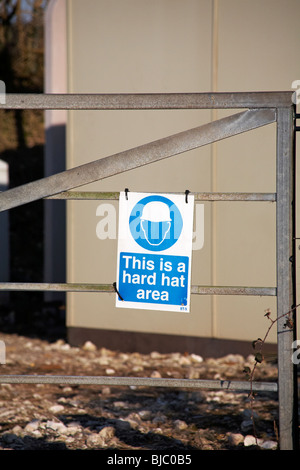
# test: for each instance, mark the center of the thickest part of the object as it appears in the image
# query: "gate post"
(285, 227)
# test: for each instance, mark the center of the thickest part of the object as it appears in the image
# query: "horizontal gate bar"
(139, 381)
(149, 101)
(108, 288)
(114, 196)
(62, 287)
(259, 291)
(137, 157)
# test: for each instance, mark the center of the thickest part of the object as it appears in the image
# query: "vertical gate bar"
(285, 289)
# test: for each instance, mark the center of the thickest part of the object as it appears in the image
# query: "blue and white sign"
(154, 251)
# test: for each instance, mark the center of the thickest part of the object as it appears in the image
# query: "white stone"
(137, 369)
(158, 431)
(102, 361)
(120, 404)
(155, 355)
(56, 426)
(62, 400)
(196, 358)
(250, 359)
(102, 439)
(145, 414)
(249, 441)
(234, 359)
(124, 357)
(184, 361)
(56, 409)
(104, 352)
(107, 432)
(17, 430)
(89, 346)
(59, 344)
(252, 441)
(94, 440)
(269, 445)
(193, 374)
(72, 430)
(235, 438)
(155, 375)
(180, 425)
(32, 426)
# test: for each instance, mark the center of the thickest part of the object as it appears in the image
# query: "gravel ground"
(59, 417)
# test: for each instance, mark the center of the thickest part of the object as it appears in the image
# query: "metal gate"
(258, 109)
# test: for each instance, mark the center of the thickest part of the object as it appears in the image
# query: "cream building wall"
(137, 46)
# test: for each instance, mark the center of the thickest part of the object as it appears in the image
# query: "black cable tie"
(115, 287)
(186, 195)
(126, 193)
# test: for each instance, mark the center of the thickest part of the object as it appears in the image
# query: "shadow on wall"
(25, 234)
(26, 222)
(28, 225)
(55, 213)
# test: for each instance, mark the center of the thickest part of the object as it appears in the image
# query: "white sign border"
(183, 247)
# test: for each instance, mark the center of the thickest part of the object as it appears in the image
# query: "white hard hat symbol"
(156, 211)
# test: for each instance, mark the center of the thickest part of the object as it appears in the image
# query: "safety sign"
(154, 251)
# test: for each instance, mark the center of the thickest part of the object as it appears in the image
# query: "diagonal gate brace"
(137, 157)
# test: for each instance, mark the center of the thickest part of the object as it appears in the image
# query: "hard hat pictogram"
(156, 211)
(155, 223)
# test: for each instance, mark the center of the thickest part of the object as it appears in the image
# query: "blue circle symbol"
(155, 223)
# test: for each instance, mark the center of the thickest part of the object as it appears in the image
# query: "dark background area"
(22, 140)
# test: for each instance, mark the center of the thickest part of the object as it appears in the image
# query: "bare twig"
(259, 344)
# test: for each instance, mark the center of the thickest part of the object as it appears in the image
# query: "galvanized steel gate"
(259, 109)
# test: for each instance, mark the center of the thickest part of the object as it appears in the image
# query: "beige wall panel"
(258, 46)
(166, 46)
(138, 46)
(94, 135)
(246, 249)
(247, 162)
(91, 313)
(243, 318)
(135, 46)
